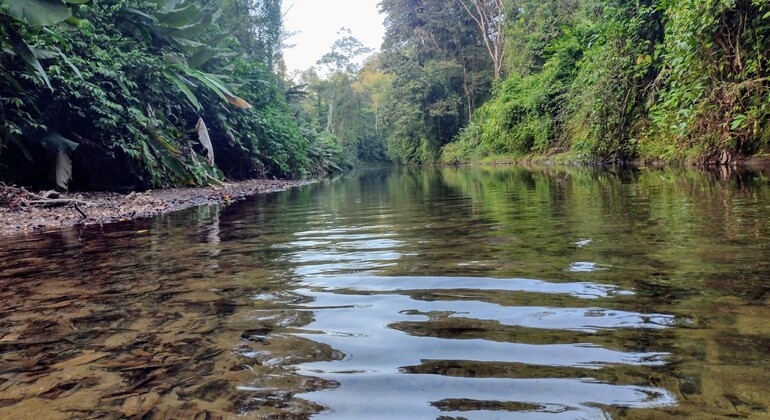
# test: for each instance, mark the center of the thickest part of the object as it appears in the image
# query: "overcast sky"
(317, 23)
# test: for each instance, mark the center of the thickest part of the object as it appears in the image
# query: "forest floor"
(23, 211)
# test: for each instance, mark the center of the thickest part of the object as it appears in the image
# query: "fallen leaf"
(10, 337)
(238, 102)
(81, 360)
(57, 305)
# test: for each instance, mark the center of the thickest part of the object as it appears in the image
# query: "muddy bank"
(23, 211)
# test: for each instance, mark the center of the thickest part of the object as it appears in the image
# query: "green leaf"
(186, 43)
(202, 56)
(21, 49)
(166, 4)
(217, 87)
(140, 13)
(190, 31)
(57, 143)
(76, 1)
(69, 63)
(15, 83)
(179, 18)
(183, 87)
(38, 12)
(15, 140)
(737, 121)
(200, 76)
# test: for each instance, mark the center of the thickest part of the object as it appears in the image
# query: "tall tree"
(340, 63)
(441, 72)
(490, 16)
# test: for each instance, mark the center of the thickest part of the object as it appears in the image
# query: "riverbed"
(478, 293)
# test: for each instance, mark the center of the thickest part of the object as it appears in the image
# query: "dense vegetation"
(601, 80)
(153, 93)
(343, 103)
(147, 93)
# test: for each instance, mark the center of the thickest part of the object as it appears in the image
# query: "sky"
(317, 23)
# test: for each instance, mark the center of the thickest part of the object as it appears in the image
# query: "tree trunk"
(330, 118)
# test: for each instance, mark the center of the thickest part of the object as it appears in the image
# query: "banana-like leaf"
(63, 170)
(21, 49)
(166, 4)
(76, 1)
(229, 96)
(27, 154)
(8, 77)
(140, 13)
(56, 143)
(185, 44)
(202, 56)
(193, 30)
(43, 53)
(238, 102)
(174, 78)
(179, 18)
(211, 82)
(200, 76)
(168, 156)
(37, 12)
(207, 52)
(205, 139)
(69, 63)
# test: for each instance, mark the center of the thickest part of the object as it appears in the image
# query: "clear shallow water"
(464, 293)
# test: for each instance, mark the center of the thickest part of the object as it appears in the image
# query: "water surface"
(435, 293)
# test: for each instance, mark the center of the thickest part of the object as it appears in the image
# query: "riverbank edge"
(23, 212)
(566, 159)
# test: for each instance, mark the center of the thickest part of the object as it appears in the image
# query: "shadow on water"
(432, 293)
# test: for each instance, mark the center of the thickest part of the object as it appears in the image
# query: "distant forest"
(101, 94)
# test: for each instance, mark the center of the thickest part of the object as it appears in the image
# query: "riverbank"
(24, 212)
(756, 162)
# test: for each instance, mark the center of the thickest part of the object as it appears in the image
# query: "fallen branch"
(56, 202)
(80, 211)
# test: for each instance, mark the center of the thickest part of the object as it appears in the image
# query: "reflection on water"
(436, 293)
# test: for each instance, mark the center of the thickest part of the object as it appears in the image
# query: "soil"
(24, 212)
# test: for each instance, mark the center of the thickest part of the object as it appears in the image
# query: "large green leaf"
(23, 50)
(38, 12)
(201, 77)
(202, 56)
(184, 88)
(179, 18)
(55, 142)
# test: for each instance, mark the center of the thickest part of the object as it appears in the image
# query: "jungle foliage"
(343, 104)
(593, 80)
(441, 71)
(146, 93)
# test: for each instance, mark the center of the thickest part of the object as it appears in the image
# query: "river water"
(478, 293)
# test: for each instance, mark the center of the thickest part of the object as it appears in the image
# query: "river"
(477, 293)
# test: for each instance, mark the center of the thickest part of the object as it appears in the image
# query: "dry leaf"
(57, 305)
(10, 337)
(63, 170)
(83, 359)
(132, 406)
(205, 139)
(240, 103)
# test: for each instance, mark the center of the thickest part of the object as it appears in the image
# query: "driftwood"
(56, 202)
